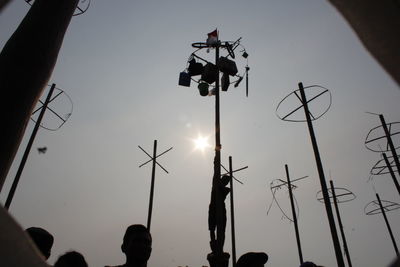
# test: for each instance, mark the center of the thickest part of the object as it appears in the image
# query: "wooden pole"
(396, 183)
(328, 208)
(217, 164)
(296, 228)
(153, 177)
(346, 249)
(390, 142)
(28, 149)
(232, 215)
(388, 225)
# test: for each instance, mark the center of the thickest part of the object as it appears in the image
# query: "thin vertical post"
(217, 114)
(153, 176)
(296, 228)
(389, 140)
(232, 215)
(391, 173)
(28, 149)
(346, 250)
(217, 163)
(387, 224)
(328, 208)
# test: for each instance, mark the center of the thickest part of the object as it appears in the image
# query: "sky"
(120, 63)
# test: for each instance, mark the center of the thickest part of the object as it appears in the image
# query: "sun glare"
(201, 143)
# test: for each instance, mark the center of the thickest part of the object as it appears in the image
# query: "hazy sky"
(120, 63)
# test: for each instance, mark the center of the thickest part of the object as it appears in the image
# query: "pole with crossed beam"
(231, 171)
(389, 166)
(28, 149)
(387, 224)
(290, 186)
(339, 219)
(328, 207)
(153, 176)
(389, 141)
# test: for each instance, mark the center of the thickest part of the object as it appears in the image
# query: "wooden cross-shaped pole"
(153, 175)
(231, 171)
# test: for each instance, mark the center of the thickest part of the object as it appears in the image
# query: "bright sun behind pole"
(201, 143)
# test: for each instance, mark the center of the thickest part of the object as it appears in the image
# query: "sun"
(201, 143)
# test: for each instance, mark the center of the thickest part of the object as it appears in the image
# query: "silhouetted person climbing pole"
(26, 63)
(212, 220)
(217, 217)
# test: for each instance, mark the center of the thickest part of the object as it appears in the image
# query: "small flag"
(212, 37)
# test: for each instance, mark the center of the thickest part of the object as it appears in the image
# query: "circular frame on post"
(342, 195)
(82, 7)
(62, 118)
(378, 133)
(380, 166)
(375, 208)
(296, 94)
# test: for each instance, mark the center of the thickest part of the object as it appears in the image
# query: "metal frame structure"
(383, 207)
(289, 184)
(58, 93)
(389, 164)
(304, 102)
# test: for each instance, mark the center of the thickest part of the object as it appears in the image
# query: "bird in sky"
(42, 150)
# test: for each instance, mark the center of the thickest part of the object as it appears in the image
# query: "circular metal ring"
(373, 207)
(82, 7)
(377, 134)
(200, 45)
(342, 195)
(287, 116)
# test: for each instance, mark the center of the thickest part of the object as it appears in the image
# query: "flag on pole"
(212, 37)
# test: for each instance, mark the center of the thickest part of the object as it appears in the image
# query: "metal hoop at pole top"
(82, 7)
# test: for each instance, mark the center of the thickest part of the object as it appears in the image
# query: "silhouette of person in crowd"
(252, 259)
(212, 210)
(309, 264)
(136, 246)
(42, 239)
(71, 259)
(395, 263)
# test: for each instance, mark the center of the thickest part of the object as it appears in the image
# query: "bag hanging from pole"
(227, 66)
(210, 73)
(225, 81)
(195, 68)
(184, 79)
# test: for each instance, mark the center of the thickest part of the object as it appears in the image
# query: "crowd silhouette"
(42, 239)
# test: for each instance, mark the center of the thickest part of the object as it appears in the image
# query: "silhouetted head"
(309, 264)
(71, 259)
(252, 259)
(137, 244)
(395, 263)
(43, 240)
